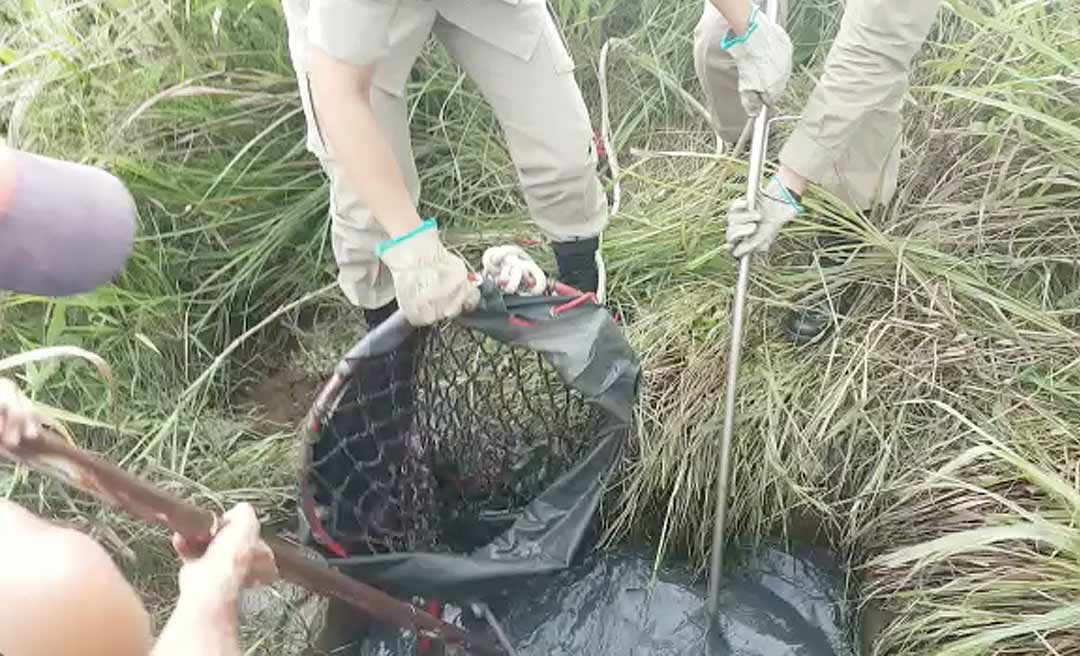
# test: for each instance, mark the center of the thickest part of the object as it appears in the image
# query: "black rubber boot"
(816, 314)
(391, 379)
(576, 261)
(386, 392)
(379, 315)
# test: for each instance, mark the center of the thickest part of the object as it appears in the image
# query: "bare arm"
(17, 420)
(791, 180)
(342, 97)
(61, 593)
(736, 13)
(199, 628)
(205, 619)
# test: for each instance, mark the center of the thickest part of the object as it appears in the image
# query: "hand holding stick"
(49, 453)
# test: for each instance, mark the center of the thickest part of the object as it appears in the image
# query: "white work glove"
(763, 56)
(431, 283)
(753, 231)
(514, 271)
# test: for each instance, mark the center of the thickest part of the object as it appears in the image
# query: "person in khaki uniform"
(352, 60)
(849, 136)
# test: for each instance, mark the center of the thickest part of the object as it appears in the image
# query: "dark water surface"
(776, 604)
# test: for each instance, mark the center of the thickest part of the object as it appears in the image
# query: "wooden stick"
(114, 486)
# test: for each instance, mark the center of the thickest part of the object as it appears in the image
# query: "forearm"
(341, 94)
(206, 629)
(791, 180)
(736, 13)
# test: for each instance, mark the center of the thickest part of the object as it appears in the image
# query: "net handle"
(52, 455)
(392, 333)
(384, 338)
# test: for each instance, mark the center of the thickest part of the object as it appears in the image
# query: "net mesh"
(440, 443)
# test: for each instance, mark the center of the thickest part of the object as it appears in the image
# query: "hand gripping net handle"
(115, 487)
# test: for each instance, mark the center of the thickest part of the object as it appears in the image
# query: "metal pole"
(500, 634)
(757, 163)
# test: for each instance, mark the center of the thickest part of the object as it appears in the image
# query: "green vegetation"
(932, 443)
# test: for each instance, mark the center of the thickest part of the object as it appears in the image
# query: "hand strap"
(729, 37)
(425, 225)
(788, 197)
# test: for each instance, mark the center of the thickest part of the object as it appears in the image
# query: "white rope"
(605, 129)
(613, 164)
(612, 153)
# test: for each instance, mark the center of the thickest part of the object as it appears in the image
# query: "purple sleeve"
(67, 228)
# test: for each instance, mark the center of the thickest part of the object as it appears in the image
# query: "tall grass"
(931, 442)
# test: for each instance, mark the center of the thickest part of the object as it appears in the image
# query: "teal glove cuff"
(730, 39)
(425, 225)
(788, 199)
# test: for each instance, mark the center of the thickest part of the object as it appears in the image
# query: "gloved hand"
(432, 283)
(753, 231)
(514, 271)
(763, 56)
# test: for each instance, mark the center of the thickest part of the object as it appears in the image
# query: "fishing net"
(431, 443)
(437, 461)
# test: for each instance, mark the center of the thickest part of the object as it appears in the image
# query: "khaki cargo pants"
(849, 137)
(513, 51)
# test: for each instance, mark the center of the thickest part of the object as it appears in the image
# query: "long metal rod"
(496, 627)
(758, 147)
